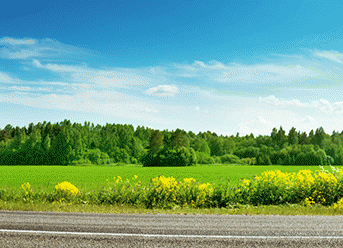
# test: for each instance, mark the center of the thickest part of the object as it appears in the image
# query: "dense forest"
(65, 143)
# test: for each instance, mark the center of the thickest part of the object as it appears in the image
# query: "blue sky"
(224, 66)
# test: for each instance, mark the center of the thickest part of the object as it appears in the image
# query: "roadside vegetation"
(270, 192)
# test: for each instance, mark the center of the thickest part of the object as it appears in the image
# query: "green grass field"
(94, 177)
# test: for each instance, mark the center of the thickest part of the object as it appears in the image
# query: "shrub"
(263, 159)
(134, 160)
(66, 188)
(95, 156)
(248, 161)
(230, 159)
(81, 161)
(276, 187)
(203, 158)
(179, 157)
(338, 205)
(121, 164)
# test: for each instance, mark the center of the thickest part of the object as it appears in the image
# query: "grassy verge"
(287, 209)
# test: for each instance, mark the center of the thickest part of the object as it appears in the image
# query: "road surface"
(46, 229)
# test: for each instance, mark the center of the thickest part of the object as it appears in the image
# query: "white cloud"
(21, 88)
(43, 89)
(211, 65)
(24, 49)
(12, 41)
(4, 78)
(23, 54)
(151, 110)
(322, 104)
(39, 86)
(162, 90)
(116, 77)
(36, 63)
(56, 83)
(307, 124)
(102, 102)
(256, 126)
(27, 88)
(20, 48)
(60, 68)
(308, 119)
(292, 56)
(240, 74)
(277, 102)
(332, 55)
(265, 74)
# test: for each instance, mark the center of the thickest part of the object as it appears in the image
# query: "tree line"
(67, 143)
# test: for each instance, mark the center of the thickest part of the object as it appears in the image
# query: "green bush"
(263, 159)
(81, 161)
(248, 161)
(230, 159)
(179, 157)
(134, 160)
(203, 158)
(97, 157)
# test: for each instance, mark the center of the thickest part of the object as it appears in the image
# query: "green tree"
(216, 146)
(156, 142)
(336, 138)
(303, 139)
(274, 136)
(281, 137)
(319, 137)
(292, 136)
(200, 145)
(179, 139)
(137, 149)
(5, 135)
(311, 137)
(60, 151)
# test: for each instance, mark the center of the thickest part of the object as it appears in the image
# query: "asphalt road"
(43, 229)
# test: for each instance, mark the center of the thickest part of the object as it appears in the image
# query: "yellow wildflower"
(338, 205)
(27, 188)
(68, 188)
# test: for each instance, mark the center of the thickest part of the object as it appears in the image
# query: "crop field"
(94, 177)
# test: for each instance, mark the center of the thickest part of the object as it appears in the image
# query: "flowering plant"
(67, 188)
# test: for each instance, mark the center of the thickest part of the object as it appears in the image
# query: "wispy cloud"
(23, 88)
(12, 41)
(5, 78)
(28, 48)
(106, 103)
(322, 104)
(332, 55)
(162, 90)
(110, 77)
(257, 125)
(308, 119)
